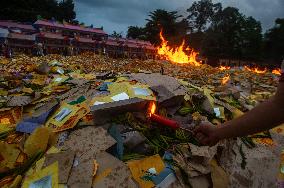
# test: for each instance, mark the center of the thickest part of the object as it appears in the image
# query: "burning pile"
(182, 54)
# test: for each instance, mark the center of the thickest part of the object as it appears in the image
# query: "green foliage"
(201, 13)
(233, 35)
(244, 163)
(116, 34)
(174, 28)
(160, 138)
(3, 135)
(185, 110)
(248, 142)
(132, 156)
(274, 41)
(29, 10)
(136, 32)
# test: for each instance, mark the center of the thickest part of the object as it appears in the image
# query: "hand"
(207, 134)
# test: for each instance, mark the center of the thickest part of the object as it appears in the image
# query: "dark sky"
(119, 14)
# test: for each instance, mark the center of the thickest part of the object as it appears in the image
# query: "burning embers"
(225, 79)
(182, 54)
(277, 71)
(222, 68)
(256, 70)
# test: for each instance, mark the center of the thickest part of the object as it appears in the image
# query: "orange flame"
(177, 55)
(256, 70)
(224, 68)
(225, 79)
(277, 71)
(152, 108)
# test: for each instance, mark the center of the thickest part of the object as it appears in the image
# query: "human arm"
(263, 117)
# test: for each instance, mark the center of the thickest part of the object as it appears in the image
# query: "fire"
(277, 71)
(256, 70)
(178, 55)
(225, 79)
(224, 68)
(152, 108)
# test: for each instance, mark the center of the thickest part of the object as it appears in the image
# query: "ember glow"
(224, 68)
(277, 71)
(225, 79)
(152, 108)
(256, 70)
(181, 54)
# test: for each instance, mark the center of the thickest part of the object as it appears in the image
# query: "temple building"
(45, 37)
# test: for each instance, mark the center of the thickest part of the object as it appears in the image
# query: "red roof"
(69, 26)
(131, 45)
(86, 40)
(140, 42)
(21, 36)
(112, 43)
(11, 24)
(150, 47)
(52, 35)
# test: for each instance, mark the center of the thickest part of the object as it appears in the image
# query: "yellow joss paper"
(35, 168)
(17, 182)
(264, 141)
(47, 177)
(27, 90)
(5, 121)
(39, 80)
(279, 129)
(59, 79)
(37, 141)
(9, 154)
(4, 61)
(236, 113)
(139, 167)
(100, 100)
(9, 118)
(220, 178)
(67, 116)
(3, 92)
(52, 150)
(89, 76)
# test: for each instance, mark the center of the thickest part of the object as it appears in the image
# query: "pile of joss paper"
(49, 136)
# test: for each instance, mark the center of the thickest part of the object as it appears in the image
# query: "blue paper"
(28, 125)
(114, 132)
(44, 182)
(167, 173)
(160, 177)
(104, 86)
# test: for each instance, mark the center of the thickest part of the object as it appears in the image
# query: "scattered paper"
(120, 97)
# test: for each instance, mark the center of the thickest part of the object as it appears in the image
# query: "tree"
(167, 21)
(251, 39)
(116, 34)
(136, 32)
(233, 35)
(28, 10)
(201, 14)
(274, 41)
(66, 11)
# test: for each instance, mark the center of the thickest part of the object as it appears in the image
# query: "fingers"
(200, 137)
(201, 129)
(204, 135)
